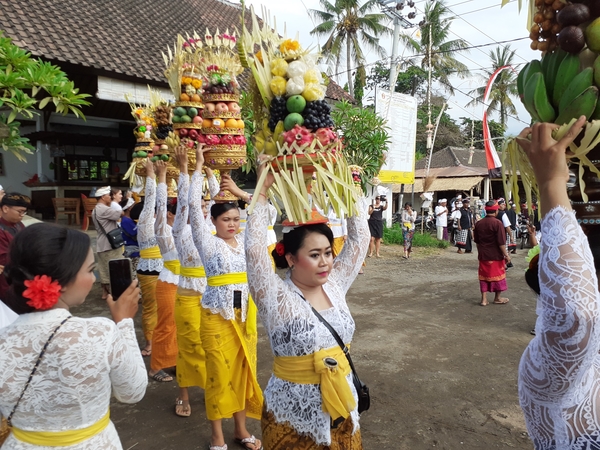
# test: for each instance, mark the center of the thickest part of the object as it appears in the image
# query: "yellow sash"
(192, 272)
(61, 438)
(336, 394)
(270, 227)
(237, 278)
(151, 253)
(174, 266)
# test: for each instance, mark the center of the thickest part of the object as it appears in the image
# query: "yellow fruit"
(196, 98)
(278, 85)
(270, 148)
(207, 123)
(240, 124)
(312, 76)
(279, 67)
(231, 123)
(313, 92)
(184, 98)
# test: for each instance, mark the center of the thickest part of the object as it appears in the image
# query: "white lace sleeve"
(181, 218)
(200, 231)
(160, 224)
(146, 219)
(556, 373)
(213, 186)
(348, 262)
(127, 370)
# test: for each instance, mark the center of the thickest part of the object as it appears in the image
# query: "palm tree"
(504, 87)
(350, 24)
(443, 51)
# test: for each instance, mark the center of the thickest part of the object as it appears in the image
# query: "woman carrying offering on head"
(57, 371)
(299, 409)
(228, 317)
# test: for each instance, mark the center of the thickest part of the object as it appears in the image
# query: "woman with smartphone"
(191, 359)
(78, 363)
(228, 318)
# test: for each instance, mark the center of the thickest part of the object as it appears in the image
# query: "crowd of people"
(204, 285)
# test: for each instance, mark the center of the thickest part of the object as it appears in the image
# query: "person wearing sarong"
(13, 207)
(151, 262)
(164, 338)
(191, 359)
(299, 411)
(228, 318)
(511, 241)
(465, 228)
(339, 229)
(409, 216)
(490, 237)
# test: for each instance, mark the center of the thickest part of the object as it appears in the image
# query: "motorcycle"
(523, 232)
(428, 225)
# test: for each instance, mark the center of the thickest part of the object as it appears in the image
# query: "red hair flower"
(280, 249)
(42, 292)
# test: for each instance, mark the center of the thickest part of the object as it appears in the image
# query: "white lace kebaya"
(559, 373)
(145, 226)
(164, 236)
(86, 361)
(293, 328)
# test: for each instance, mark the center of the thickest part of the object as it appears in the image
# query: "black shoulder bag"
(115, 238)
(364, 398)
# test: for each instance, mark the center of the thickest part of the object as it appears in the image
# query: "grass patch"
(393, 236)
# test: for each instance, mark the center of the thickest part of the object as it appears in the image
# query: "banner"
(491, 155)
(400, 112)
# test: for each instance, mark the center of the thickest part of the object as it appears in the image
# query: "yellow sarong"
(191, 358)
(336, 395)
(151, 253)
(173, 265)
(338, 245)
(231, 367)
(149, 315)
(61, 438)
(237, 278)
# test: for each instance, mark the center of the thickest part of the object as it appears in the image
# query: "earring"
(292, 267)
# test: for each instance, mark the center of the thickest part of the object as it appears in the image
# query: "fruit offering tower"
(144, 146)
(294, 124)
(559, 87)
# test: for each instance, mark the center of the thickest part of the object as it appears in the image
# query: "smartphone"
(120, 276)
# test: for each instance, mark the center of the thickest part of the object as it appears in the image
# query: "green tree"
(360, 82)
(413, 81)
(496, 132)
(27, 84)
(448, 132)
(366, 137)
(443, 51)
(504, 87)
(351, 28)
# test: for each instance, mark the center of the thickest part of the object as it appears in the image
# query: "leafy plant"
(393, 236)
(27, 84)
(365, 137)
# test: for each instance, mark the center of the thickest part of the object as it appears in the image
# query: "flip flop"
(161, 376)
(503, 301)
(146, 352)
(186, 409)
(249, 440)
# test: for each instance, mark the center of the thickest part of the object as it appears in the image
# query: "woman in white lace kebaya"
(228, 318)
(191, 360)
(294, 415)
(81, 361)
(559, 375)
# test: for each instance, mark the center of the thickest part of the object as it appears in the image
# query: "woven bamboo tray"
(213, 130)
(220, 98)
(197, 105)
(221, 115)
(225, 157)
(187, 125)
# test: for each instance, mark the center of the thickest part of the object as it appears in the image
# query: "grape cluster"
(317, 115)
(220, 88)
(162, 131)
(277, 112)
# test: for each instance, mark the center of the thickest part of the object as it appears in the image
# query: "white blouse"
(219, 258)
(293, 328)
(271, 236)
(145, 226)
(164, 236)
(559, 373)
(86, 361)
(182, 232)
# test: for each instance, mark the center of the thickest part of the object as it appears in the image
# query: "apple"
(221, 107)
(233, 107)
(210, 107)
(197, 119)
(183, 132)
(193, 134)
(156, 148)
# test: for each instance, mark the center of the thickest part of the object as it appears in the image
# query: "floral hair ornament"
(42, 292)
(280, 249)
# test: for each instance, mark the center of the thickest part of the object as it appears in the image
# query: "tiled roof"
(455, 156)
(335, 92)
(120, 36)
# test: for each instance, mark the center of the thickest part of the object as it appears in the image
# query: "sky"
(479, 22)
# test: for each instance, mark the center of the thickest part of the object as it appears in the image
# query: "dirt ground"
(442, 370)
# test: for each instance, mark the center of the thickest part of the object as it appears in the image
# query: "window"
(90, 168)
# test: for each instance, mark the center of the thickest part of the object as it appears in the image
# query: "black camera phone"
(120, 276)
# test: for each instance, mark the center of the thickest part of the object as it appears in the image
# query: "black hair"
(219, 209)
(242, 204)
(136, 210)
(114, 191)
(172, 205)
(59, 253)
(490, 204)
(408, 204)
(294, 240)
(532, 275)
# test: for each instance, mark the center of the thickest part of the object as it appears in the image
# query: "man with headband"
(490, 236)
(13, 207)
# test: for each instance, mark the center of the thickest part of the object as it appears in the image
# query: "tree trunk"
(349, 66)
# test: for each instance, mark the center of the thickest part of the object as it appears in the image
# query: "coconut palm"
(504, 87)
(350, 27)
(443, 51)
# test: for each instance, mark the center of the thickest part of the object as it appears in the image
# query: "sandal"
(249, 440)
(502, 301)
(161, 376)
(146, 352)
(182, 408)
(217, 447)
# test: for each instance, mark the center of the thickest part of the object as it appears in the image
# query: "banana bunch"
(556, 90)
(172, 140)
(265, 140)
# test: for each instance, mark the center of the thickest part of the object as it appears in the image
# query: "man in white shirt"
(441, 219)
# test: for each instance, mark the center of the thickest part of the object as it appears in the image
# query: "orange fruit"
(196, 98)
(240, 124)
(217, 123)
(231, 123)
(184, 98)
(207, 123)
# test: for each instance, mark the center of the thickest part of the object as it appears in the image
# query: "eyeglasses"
(21, 212)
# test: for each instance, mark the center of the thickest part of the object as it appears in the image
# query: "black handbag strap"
(34, 370)
(97, 222)
(335, 335)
